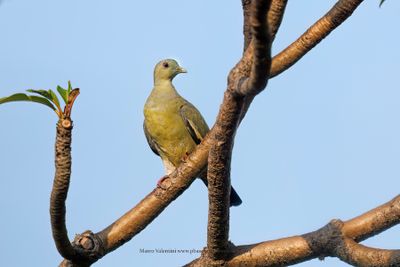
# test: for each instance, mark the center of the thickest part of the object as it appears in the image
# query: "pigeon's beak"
(181, 70)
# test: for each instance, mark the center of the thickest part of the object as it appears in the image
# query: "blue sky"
(321, 142)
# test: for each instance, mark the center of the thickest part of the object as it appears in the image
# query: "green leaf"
(54, 98)
(381, 3)
(44, 93)
(25, 97)
(69, 87)
(49, 94)
(64, 93)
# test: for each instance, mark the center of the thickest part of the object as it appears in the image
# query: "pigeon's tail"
(234, 197)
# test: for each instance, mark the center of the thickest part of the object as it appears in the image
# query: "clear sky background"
(321, 142)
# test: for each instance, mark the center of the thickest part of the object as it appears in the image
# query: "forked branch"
(336, 239)
(90, 247)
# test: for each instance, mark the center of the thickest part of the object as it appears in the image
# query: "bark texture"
(60, 189)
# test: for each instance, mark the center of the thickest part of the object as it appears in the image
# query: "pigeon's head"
(167, 69)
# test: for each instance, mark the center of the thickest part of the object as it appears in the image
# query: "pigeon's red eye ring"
(165, 65)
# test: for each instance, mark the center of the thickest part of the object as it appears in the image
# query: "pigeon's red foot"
(160, 182)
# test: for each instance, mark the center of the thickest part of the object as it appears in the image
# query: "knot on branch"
(88, 248)
(64, 128)
(206, 259)
(89, 245)
(66, 123)
(327, 240)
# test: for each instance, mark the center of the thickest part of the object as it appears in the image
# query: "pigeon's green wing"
(153, 145)
(194, 122)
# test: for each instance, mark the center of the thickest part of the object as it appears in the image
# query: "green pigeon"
(172, 125)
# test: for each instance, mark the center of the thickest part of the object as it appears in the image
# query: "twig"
(341, 11)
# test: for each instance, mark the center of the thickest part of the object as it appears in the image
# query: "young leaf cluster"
(46, 97)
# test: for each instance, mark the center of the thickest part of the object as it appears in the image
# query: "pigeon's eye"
(165, 65)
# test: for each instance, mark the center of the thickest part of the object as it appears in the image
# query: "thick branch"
(271, 253)
(60, 191)
(374, 221)
(315, 34)
(261, 51)
(95, 246)
(225, 128)
(153, 204)
(275, 16)
(360, 255)
(219, 165)
(335, 239)
(85, 249)
(246, 4)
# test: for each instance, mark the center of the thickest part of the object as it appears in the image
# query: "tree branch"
(360, 255)
(225, 128)
(60, 191)
(336, 239)
(315, 34)
(93, 246)
(341, 11)
(219, 165)
(261, 52)
(374, 221)
(275, 15)
(246, 4)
